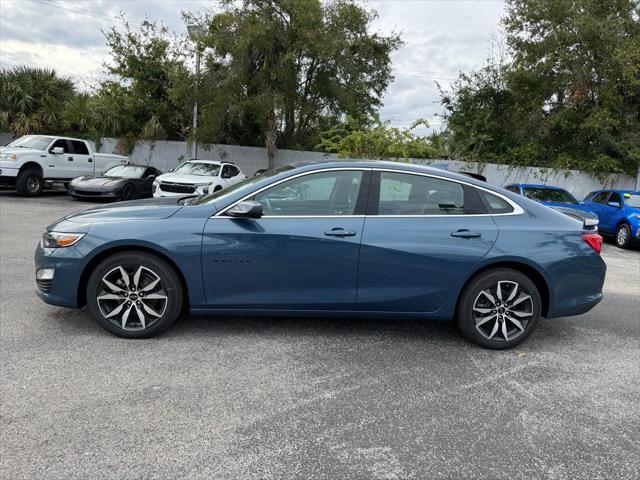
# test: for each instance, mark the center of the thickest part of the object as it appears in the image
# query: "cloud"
(442, 38)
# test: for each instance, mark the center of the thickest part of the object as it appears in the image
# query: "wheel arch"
(93, 263)
(526, 269)
(31, 165)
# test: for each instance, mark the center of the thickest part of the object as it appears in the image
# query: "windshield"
(125, 171)
(198, 168)
(632, 200)
(540, 194)
(244, 183)
(37, 142)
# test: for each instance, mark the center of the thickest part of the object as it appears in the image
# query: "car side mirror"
(614, 204)
(57, 150)
(246, 209)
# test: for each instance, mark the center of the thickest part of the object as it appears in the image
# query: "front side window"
(615, 197)
(406, 194)
(60, 143)
(324, 193)
(199, 168)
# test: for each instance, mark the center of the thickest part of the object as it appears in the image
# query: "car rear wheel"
(134, 295)
(623, 236)
(29, 183)
(499, 309)
(128, 192)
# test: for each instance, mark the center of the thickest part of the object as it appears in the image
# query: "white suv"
(197, 177)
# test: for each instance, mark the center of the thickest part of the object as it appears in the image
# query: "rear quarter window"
(494, 203)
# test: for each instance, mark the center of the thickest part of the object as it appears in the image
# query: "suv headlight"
(8, 156)
(59, 239)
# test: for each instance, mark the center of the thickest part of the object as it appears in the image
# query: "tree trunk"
(270, 137)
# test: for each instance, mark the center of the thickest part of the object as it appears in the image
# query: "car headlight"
(8, 156)
(59, 239)
(636, 216)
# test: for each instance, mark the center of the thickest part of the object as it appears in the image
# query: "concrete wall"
(167, 155)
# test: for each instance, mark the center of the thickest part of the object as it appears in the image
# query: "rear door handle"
(90, 160)
(464, 233)
(70, 159)
(340, 232)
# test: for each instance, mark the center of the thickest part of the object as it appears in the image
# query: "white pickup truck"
(32, 162)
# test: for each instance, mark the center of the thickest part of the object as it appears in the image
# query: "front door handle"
(340, 232)
(464, 233)
(70, 159)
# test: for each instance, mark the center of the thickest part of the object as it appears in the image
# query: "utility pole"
(195, 33)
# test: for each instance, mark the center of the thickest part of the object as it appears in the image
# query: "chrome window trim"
(517, 209)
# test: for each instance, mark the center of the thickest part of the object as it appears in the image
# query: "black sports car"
(122, 182)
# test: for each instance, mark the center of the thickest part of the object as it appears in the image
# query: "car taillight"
(593, 240)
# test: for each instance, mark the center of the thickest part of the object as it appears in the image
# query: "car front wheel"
(499, 309)
(623, 236)
(134, 295)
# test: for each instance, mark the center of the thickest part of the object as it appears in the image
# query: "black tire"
(478, 317)
(29, 183)
(623, 236)
(136, 300)
(128, 192)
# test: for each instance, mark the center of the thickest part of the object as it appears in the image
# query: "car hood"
(19, 151)
(188, 179)
(147, 209)
(89, 181)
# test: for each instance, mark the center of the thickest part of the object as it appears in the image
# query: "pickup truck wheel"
(29, 183)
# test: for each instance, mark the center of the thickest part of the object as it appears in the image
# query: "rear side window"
(601, 198)
(79, 147)
(494, 203)
(407, 194)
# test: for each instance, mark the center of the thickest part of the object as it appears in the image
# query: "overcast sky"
(442, 38)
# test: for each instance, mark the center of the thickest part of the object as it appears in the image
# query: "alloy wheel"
(132, 299)
(622, 236)
(502, 312)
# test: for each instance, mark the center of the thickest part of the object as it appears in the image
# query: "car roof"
(392, 165)
(633, 192)
(203, 160)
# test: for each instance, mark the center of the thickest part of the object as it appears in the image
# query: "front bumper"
(89, 193)
(67, 264)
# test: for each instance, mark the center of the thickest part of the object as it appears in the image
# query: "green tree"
(32, 100)
(280, 72)
(137, 101)
(569, 97)
(378, 140)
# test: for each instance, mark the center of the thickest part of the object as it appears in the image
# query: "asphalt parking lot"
(308, 398)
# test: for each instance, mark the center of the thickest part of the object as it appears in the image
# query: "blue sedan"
(619, 214)
(549, 196)
(349, 239)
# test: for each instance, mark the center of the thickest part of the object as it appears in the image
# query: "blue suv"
(619, 214)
